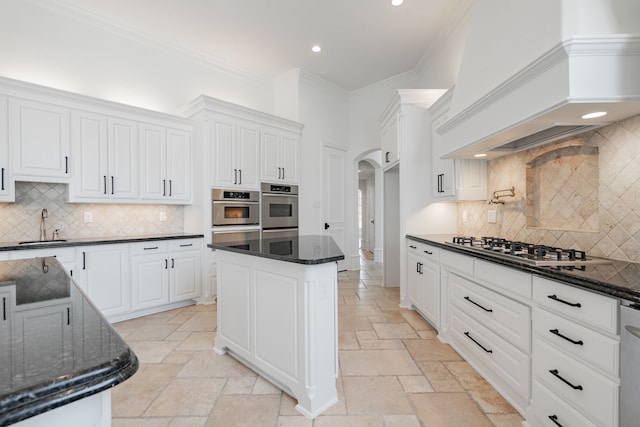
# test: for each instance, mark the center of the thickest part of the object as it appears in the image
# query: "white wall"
(75, 53)
(324, 112)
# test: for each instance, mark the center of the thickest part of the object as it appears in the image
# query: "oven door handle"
(279, 195)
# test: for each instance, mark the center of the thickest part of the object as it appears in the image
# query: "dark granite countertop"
(619, 279)
(55, 346)
(14, 246)
(312, 249)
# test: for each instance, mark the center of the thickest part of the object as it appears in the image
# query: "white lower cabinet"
(149, 275)
(103, 274)
(8, 302)
(163, 272)
(423, 280)
(551, 349)
(576, 353)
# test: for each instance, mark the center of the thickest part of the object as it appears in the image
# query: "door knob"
(326, 225)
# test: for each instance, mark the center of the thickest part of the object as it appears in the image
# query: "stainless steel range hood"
(562, 59)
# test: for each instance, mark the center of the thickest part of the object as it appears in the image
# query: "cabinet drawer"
(504, 278)
(185, 245)
(424, 250)
(552, 411)
(456, 261)
(585, 306)
(146, 248)
(506, 317)
(583, 343)
(588, 391)
(509, 364)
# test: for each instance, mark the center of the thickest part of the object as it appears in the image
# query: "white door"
(90, 152)
(153, 150)
(247, 156)
(334, 164)
(123, 159)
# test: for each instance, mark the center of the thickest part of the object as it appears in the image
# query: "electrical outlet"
(88, 217)
(492, 217)
(163, 216)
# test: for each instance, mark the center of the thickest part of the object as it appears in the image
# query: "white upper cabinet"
(39, 135)
(6, 181)
(390, 141)
(234, 153)
(454, 179)
(105, 158)
(279, 156)
(165, 164)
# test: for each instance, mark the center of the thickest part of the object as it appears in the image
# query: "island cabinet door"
(234, 307)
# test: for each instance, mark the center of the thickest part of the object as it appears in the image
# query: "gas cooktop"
(527, 253)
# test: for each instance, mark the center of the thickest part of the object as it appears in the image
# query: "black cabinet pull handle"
(554, 418)
(412, 247)
(477, 343)
(164, 187)
(488, 310)
(282, 173)
(170, 188)
(386, 156)
(326, 225)
(4, 308)
(173, 263)
(166, 264)
(572, 304)
(279, 173)
(2, 179)
(428, 253)
(557, 333)
(66, 164)
(186, 246)
(84, 260)
(417, 267)
(150, 248)
(113, 184)
(239, 176)
(235, 176)
(555, 373)
(68, 316)
(104, 180)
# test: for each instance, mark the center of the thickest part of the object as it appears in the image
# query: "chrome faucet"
(43, 226)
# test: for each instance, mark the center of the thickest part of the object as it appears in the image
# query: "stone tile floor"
(394, 372)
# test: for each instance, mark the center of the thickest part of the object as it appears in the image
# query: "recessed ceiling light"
(316, 49)
(594, 115)
(480, 155)
(396, 2)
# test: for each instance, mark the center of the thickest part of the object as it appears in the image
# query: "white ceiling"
(364, 41)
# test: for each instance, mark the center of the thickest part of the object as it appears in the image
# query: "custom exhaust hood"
(532, 68)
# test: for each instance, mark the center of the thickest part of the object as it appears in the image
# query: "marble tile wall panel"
(21, 220)
(613, 233)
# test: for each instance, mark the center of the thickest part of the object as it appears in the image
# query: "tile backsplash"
(21, 220)
(597, 197)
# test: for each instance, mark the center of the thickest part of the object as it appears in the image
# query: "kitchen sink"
(40, 242)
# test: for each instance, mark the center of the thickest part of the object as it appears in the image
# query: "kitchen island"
(277, 313)
(59, 357)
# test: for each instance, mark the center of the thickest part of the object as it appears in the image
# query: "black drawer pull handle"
(557, 333)
(488, 310)
(84, 260)
(151, 248)
(477, 343)
(555, 373)
(4, 308)
(572, 304)
(68, 316)
(554, 418)
(186, 246)
(428, 253)
(413, 247)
